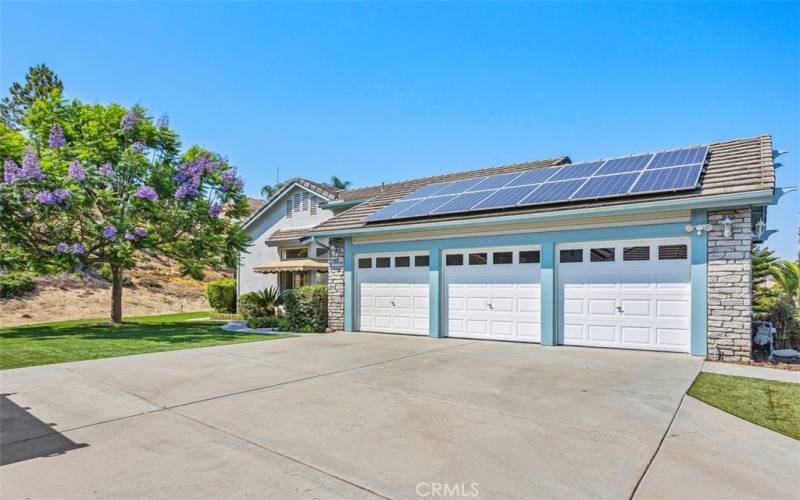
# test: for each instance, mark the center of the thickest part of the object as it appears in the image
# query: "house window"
(454, 260)
(503, 258)
(295, 253)
(529, 257)
(421, 261)
(321, 252)
(402, 261)
(383, 262)
(602, 255)
(477, 259)
(572, 255)
(636, 253)
(672, 252)
(364, 263)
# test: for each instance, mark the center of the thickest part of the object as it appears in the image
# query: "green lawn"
(48, 343)
(768, 403)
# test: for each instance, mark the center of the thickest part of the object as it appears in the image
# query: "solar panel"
(552, 192)
(506, 197)
(458, 187)
(576, 171)
(688, 156)
(622, 165)
(463, 202)
(646, 173)
(390, 211)
(668, 179)
(533, 177)
(607, 185)
(426, 206)
(429, 190)
(494, 182)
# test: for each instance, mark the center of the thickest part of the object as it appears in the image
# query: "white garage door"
(493, 294)
(634, 295)
(393, 293)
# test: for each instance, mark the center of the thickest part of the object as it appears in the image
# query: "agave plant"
(269, 299)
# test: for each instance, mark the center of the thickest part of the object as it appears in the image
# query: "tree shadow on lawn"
(171, 332)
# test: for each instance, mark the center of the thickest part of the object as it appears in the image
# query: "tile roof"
(285, 235)
(733, 166)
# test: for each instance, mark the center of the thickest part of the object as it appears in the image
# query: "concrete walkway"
(752, 371)
(711, 454)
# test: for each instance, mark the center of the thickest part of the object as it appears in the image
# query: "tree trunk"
(116, 294)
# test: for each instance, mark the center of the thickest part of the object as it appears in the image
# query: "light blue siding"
(699, 257)
(548, 291)
(434, 282)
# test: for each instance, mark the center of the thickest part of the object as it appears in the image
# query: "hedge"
(15, 285)
(307, 308)
(222, 295)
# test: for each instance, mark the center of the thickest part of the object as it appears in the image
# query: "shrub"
(263, 322)
(307, 308)
(261, 303)
(222, 295)
(15, 285)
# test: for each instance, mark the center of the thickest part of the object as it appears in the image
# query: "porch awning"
(295, 265)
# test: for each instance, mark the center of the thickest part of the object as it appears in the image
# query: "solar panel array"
(673, 170)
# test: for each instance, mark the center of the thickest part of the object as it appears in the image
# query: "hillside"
(154, 287)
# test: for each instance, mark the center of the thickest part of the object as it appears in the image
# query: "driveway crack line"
(282, 455)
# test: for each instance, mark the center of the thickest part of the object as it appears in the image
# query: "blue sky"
(382, 92)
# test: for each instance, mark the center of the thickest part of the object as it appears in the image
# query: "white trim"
(273, 200)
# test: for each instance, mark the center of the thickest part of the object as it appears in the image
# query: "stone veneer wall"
(729, 290)
(336, 285)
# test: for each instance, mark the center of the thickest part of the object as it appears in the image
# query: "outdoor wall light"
(699, 228)
(727, 227)
(761, 226)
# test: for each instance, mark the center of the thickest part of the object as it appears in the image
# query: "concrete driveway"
(342, 415)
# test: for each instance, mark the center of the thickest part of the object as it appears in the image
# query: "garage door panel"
(493, 301)
(625, 304)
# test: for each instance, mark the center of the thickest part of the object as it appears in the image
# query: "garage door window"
(383, 262)
(454, 260)
(402, 261)
(421, 261)
(636, 253)
(364, 263)
(566, 256)
(477, 259)
(602, 255)
(529, 257)
(503, 258)
(672, 252)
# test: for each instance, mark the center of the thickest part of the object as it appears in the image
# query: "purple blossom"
(140, 232)
(146, 193)
(129, 236)
(56, 138)
(76, 171)
(46, 198)
(188, 190)
(61, 194)
(215, 210)
(139, 147)
(163, 121)
(230, 181)
(10, 171)
(78, 266)
(31, 169)
(62, 248)
(129, 121)
(78, 249)
(110, 233)
(27, 195)
(106, 169)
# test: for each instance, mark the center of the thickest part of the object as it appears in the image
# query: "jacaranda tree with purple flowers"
(104, 186)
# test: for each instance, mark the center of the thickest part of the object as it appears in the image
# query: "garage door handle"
(619, 310)
(392, 303)
(490, 306)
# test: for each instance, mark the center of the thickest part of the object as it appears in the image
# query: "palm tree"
(787, 279)
(339, 184)
(268, 190)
